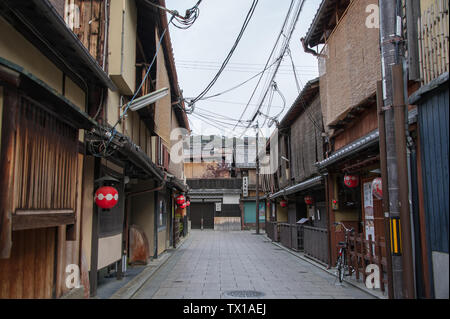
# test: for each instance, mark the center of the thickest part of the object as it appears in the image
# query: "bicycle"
(342, 261)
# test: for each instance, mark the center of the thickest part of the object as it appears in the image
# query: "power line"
(236, 86)
(302, 101)
(214, 125)
(216, 114)
(238, 103)
(282, 53)
(283, 72)
(268, 60)
(195, 62)
(185, 22)
(212, 119)
(230, 54)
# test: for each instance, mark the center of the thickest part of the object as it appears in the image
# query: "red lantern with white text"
(351, 181)
(377, 188)
(309, 200)
(180, 199)
(106, 197)
(283, 203)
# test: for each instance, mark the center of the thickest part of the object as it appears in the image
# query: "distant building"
(217, 168)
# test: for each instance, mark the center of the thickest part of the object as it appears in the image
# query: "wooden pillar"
(10, 105)
(94, 243)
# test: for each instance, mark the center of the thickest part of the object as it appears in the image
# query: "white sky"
(200, 50)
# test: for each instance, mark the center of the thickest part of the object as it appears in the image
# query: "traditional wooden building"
(349, 68)
(221, 174)
(302, 223)
(350, 71)
(428, 67)
(46, 105)
(65, 133)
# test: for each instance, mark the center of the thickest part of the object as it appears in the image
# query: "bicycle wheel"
(340, 268)
(344, 265)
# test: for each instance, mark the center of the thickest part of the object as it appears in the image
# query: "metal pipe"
(163, 184)
(155, 226)
(105, 44)
(257, 180)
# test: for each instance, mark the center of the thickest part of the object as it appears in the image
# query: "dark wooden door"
(29, 272)
(208, 215)
(201, 211)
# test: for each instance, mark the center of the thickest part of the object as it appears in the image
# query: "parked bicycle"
(342, 261)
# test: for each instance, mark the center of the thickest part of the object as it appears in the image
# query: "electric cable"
(268, 60)
(282, 53)
(239, 85)
(302, 101)
(112, 132)
(191, 15)
(230, 54)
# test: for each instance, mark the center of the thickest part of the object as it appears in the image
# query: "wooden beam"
(24, 219)
(95, 237)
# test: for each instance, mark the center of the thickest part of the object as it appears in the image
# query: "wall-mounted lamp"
(148, 99)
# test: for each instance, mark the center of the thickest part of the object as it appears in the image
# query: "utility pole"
(397, 175)
(257, 180)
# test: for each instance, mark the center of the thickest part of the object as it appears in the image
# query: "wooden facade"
(48, 217)
(30, 271)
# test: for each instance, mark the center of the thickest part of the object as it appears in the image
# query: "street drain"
(178, 281)
(244, 293)
(302, 272)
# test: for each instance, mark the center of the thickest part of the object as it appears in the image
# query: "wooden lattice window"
(45, 160)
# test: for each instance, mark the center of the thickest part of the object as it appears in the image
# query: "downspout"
(106, 34)
(163, 184)
(410, 147)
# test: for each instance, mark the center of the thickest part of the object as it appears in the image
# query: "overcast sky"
(200, 50)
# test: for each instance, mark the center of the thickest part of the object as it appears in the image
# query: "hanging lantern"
(377, 188)
(309, 200)
(180, 199)
(351, 181)
(283, 203)
(188, 203)
(106, 197)
(184, 205)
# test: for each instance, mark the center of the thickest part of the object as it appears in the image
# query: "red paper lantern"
(351, 181)
(180, 199)
(377, 188)
(309, 200)
(106, 197)
(183, 205)
(283, 203)
(188, 203)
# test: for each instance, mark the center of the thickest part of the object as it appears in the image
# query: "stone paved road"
(212, 263)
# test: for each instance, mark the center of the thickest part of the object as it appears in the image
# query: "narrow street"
(211, 264)
(143, 143)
